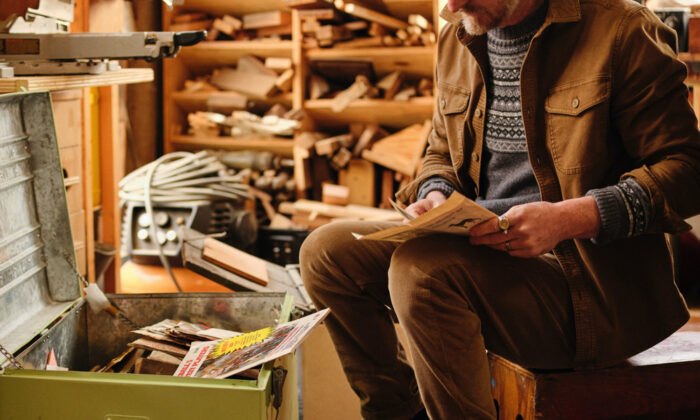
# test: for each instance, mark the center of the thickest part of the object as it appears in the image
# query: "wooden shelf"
(391, 114)
(413, 61)
(75, 81)
(197, 101)
(279, 146)
(207, 56)
(235, 7)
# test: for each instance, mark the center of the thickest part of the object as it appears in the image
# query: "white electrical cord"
(178, 177)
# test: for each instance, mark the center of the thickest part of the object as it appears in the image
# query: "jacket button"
(575, 103)
(475, 157)
(478, 113)
(442, 103)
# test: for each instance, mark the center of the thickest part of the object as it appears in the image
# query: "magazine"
(226, 357)
(458, 215)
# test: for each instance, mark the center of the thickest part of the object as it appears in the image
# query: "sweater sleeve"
(435, 183)
(625, 210)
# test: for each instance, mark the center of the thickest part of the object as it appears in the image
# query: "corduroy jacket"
(602, 99)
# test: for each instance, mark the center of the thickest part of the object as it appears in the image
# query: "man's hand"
(536, 228)
(432, 200)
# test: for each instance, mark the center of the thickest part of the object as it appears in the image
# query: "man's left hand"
(536, 228)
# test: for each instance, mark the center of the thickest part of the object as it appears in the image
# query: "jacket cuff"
(435, 183)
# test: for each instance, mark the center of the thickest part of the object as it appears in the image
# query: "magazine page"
(458, 215)
(224, 358)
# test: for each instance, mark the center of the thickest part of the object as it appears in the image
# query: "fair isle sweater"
(507, 178)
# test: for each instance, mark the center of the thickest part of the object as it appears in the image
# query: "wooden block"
(332, 33)
(273, 31)
(694, 34)
(402, 34)
(213, 34)
(341, 159)
(420, 21)
(237, 24)
(425, 87)
(236, 261)
(327, 14)
(377, 30)
(224, 27)
(387, 191)
(357, 25)
(405, 94)
(302, 168)
(251, 64)
(307, 140)
(318, 87)
(199, 86)
(284, 81)
(370, 133)
(355, 91)
(359, 178)
(369, 14)
(349, 211)
(310, 26)
(266, 19)
(428, 38)
(327, 147)
(335, 194)
(391, 84)
(278, 64)
(400, 151)
(252, 84)
(356, 129)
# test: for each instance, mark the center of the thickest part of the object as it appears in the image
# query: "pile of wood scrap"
(278, 121)
(347, 24)
(311, 214)
(393, 86)
(162, 347)
(371, 164)
(272, 24)
(253, 78)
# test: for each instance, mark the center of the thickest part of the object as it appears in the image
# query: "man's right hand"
(432, 200)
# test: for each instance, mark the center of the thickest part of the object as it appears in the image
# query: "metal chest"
(41, 307)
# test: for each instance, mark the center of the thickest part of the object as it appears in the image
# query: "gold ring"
(503, 224)
(508, 246)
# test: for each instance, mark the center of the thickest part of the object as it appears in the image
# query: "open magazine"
(226, 357)
(458, 215)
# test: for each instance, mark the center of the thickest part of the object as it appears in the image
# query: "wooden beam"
(370, 15)
(236, 261)
(87, 184)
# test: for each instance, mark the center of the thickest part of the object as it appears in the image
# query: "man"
(569, 118)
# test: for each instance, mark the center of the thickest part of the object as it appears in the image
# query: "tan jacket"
(602, 98)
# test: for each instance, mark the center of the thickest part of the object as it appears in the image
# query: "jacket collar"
(558, 11)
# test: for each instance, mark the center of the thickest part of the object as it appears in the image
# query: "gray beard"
(473, 27)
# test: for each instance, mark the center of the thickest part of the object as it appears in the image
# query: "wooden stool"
(660, 383)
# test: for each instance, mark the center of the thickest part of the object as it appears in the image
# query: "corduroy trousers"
(453, 301)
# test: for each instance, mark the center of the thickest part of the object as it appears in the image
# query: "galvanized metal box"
(41, 307)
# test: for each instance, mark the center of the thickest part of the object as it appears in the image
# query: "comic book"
(458, 215)
(226, 357)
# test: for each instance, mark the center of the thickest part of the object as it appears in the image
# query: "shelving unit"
(414, 61)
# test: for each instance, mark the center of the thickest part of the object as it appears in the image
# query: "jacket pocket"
(453, 103)
(577, 120)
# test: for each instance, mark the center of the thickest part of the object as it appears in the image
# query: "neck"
(524, 9)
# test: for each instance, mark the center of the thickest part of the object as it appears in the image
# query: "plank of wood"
(284, 81)
(356, 25)
(199, 25)
(327, 14)
(148, 344)
(251, 64)
(387, 191)
(398, 151)
(370, 133)
(62, 82)
(369, 14)
(359, 177)
(420, 21)
(251, 84)
(236, 261)
(266, 19)
(391, 83)
(273, 31)
(332, 33)
(355, 91)
(278, 64)
(329, 145)
(224, 27)
(335, 194)
(349, 211)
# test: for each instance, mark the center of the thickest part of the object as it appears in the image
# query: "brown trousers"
(453, 301)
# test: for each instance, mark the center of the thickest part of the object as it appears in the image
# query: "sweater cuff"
(625, 210)
(435, 183)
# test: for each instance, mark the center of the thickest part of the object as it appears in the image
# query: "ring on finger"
(508, 248)
(503, 224)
